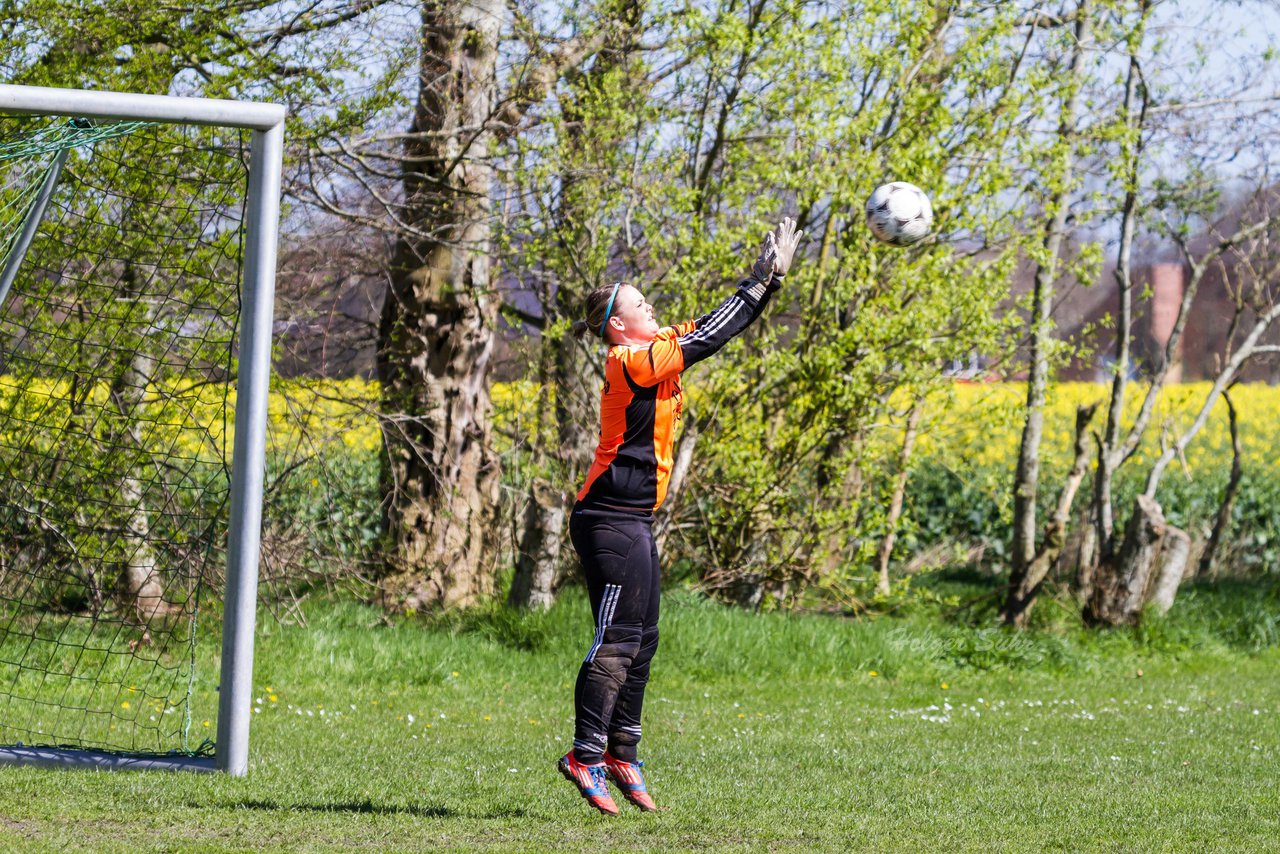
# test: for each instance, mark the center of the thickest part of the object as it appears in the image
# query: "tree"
(439, 317)
(793, 436)
(568, 196)
(436, 333)
(1028, 569)
(1147, 565)
(1157, 112)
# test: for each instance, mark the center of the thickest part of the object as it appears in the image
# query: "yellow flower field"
(977, 429)
(982, 428)
(197, 419)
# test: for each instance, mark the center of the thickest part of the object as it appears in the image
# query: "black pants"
(620, 562)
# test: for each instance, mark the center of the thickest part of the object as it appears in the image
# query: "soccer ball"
(899, 213)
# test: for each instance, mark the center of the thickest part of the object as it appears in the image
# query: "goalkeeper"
(612, 522)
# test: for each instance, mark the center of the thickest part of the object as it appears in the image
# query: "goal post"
(252, 345)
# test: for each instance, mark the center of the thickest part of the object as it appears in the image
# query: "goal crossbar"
(124, 106)
(262, 214)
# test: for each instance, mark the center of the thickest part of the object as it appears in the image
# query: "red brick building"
(1087, 318)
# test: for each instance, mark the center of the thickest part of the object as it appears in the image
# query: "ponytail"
(599, 304)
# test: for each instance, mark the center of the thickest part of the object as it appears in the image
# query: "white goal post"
(262, 214)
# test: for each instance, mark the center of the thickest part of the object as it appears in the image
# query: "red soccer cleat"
(628, 777)
(590, 782)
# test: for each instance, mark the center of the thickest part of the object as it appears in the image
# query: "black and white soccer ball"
(899, 213)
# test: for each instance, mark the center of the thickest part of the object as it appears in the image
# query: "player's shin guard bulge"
(624, 725)
(600, 681)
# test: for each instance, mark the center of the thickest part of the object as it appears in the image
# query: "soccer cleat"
(628, 777)
(590, 782)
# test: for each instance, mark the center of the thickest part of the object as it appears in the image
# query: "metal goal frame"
(262, 216)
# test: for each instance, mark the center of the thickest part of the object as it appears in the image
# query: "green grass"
(763, 732)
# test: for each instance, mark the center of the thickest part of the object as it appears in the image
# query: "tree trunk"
(1086, 559)
(1173, 566)
(435, 339)
(538, 565)
(895, 501)
(1131, 149)
(827, 548)
(1027, 477)
(1222, 524)
(1024, 589)
(140, 586)
(1121, 581)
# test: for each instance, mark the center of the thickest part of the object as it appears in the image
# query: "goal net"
(122, 279)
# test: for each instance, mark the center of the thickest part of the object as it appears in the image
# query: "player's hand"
(767, 261)
(786, 241)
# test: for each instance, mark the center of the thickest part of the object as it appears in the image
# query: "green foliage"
(316, 60)
(664, 165)
(1240, 613)
(947, 506)
(331, 502)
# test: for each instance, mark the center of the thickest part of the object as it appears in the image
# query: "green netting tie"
(73, 134)
(206, 748)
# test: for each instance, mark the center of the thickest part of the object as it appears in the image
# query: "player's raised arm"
(712, 331)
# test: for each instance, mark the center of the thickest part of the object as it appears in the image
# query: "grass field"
(763, 732)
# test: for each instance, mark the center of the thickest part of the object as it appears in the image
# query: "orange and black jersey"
(640, 402)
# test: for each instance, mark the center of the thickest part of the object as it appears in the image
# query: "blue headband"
(609, 307)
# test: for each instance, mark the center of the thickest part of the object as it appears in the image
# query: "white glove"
(785, 244)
